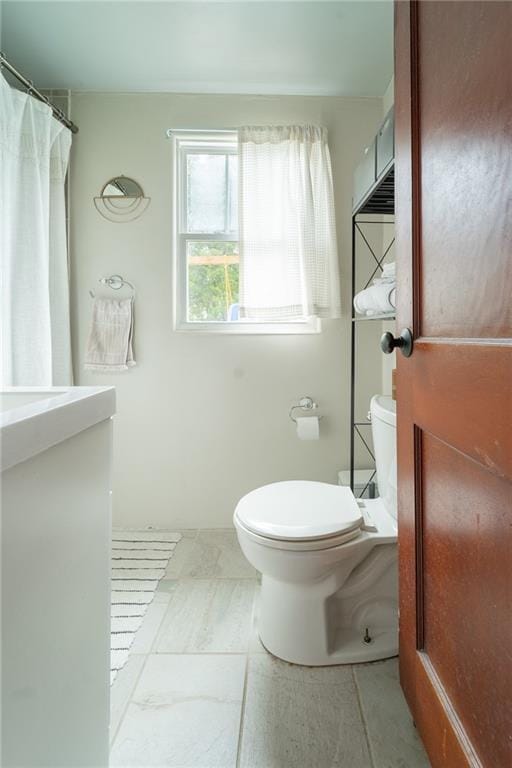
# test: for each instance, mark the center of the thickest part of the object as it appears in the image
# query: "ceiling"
(324, 48)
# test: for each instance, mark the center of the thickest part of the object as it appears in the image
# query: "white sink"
(10, 399)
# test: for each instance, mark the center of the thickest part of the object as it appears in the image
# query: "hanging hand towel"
(109, 347)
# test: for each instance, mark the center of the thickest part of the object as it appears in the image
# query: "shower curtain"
(34, 154)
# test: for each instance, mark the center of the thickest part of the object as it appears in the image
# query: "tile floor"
(200, 691)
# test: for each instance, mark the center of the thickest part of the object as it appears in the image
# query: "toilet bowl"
(328, 561)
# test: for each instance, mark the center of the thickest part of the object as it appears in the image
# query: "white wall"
(388, 361)
(203, 419)
(389, 97)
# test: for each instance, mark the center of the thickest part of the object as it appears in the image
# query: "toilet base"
(342, 619)
(349, 648)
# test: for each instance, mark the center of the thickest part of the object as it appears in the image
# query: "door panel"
(453, 107)
(466, 541)
(465, 127)
(464, 403)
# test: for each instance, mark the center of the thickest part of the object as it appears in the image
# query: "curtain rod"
(29, 85)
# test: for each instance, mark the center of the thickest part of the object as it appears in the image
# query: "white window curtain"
(288, 254)
(34, 153)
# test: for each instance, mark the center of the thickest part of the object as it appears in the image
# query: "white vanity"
(56, 456)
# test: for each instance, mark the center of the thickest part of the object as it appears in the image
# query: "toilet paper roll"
(308, 427)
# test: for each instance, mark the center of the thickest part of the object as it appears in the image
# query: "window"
(207, 264)
(208, 229)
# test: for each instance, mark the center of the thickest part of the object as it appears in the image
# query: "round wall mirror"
(122, 186)
(121, 200)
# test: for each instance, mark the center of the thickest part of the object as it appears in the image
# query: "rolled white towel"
(389, 269)
(376, 299)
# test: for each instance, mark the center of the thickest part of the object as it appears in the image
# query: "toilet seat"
(299, 545)
(300, 515)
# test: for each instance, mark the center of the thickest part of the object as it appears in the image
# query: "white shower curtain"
(34, 154)
(288, 253)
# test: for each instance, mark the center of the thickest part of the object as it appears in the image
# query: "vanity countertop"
(33, 419)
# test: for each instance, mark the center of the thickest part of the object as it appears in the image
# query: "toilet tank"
(383, 413)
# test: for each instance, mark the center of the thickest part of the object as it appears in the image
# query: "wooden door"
(454, 252)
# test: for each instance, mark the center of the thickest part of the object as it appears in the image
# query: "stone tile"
(394, 741)
(188, 533)
(183, 554)
(301, 716)
(164, 589)
(213, 554)
(122, 689)
(208, 616)
(151, 623)
(165, 586)
(227, 560)
(255, 644)
(185, 712)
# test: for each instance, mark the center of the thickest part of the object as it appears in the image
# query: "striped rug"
(139, 561)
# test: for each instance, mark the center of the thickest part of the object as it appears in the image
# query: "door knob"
(403, 342)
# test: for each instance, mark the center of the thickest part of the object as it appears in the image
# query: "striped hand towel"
(110, 342)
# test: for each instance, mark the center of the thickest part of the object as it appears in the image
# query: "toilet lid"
(299, 509)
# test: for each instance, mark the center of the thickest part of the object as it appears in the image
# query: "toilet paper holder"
(306, 404)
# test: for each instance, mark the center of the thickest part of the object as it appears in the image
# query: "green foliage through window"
(213, 274)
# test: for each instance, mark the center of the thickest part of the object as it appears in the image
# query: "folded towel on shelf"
(387, 276)
(389, 269)
(377, 313)
(375, 300)
(110, 342)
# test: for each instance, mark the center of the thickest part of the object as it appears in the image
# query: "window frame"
(210, 142)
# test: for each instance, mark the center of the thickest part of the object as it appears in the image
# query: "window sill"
(311, 325)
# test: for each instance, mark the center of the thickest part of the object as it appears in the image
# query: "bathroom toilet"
(329, 589)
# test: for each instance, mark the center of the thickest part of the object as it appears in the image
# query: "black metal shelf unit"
(378, 201)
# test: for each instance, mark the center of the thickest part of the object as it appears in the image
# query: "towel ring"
(115, 282)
